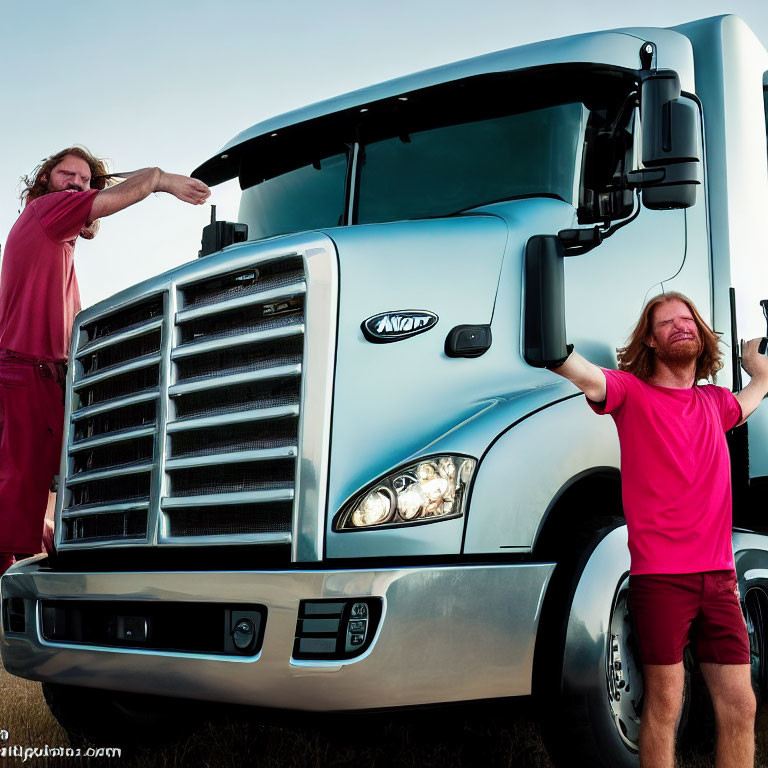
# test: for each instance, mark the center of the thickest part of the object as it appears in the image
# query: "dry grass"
(233, 738)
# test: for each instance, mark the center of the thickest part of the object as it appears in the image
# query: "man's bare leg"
(662, 701)
(730, 686)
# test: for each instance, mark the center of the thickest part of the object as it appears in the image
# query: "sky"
(168, 83)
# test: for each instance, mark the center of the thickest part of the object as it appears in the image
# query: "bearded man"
(676, 492)
(64, 198)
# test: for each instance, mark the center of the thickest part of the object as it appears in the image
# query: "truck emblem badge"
(394, 326)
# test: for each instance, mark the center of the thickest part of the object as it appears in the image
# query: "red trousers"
(31, 427)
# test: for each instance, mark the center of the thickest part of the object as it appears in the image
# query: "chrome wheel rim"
(754, 616)
(624, 681)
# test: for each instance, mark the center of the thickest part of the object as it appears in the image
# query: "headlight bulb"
(426, 471)
(447, 468)
(374, 509)
(410, 502)
(434, 490)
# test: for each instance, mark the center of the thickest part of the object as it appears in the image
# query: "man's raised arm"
(588, 377)
(139, 184)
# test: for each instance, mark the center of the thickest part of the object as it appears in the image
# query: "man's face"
(674, 334)
(71, 172)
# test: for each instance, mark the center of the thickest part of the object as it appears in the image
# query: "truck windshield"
(451, 168)
(309, 197)
(435, 152)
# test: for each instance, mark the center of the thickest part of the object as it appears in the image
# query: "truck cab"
(324, 467)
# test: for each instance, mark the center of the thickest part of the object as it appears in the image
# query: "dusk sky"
(169, 83)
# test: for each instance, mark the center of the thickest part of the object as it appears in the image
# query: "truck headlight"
(431, 489)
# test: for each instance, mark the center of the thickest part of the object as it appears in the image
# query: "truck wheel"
(756, 618)
(588, 679)
(113, 718)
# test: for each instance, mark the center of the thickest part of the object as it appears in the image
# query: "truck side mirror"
(544, 332)
(670, 145)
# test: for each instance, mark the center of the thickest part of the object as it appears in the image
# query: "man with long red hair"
(676, 492)
(64, 198)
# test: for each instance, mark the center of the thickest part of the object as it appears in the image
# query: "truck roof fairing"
(619, 48)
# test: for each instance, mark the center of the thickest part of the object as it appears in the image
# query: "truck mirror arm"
(576, 242)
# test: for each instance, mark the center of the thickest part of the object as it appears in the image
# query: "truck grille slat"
(104, 509)
(250, 436)
(226, 419)
(106, 474)
(130, 524)
(118, 338)
(221, 341)
(258, 279)
(234, 379)
(133, 487)
(239, 457)
(122, 320)
(224, 499)
(212, 371)
(247, 396)
(276, 302)
(229, 478)
(230, 361)
(235, 325)
(239, 520)
(113, 388)
(110, 438)
(115, 454)
(121, 372)
(133, 348)
(115, 406)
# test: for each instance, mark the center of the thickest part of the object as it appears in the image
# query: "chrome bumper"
(446, 634)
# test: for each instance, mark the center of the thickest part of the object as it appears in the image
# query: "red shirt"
(39, 296)
(675, 470)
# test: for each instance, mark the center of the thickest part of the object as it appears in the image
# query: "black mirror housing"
(670, 145)
(544, 333)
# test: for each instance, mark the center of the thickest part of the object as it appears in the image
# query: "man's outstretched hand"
(756, 365)
(184, 188)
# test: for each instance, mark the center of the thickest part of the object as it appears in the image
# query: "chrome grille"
(184, 406)
(233, 417)
(114, 420)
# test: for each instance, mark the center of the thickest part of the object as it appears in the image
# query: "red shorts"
(671, 610)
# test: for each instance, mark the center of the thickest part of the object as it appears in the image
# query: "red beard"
(679, 352)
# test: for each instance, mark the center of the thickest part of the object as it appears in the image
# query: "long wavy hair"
(639, 359)
(36, 184)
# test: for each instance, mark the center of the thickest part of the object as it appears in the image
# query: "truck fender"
(528, 466)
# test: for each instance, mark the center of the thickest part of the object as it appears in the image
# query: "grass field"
(504, 736)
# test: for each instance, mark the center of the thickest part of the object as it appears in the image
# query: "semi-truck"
(324, 468)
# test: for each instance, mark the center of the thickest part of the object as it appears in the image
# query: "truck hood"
(393, 400)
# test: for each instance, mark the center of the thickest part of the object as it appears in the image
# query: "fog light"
(243, 634)
(245, 631)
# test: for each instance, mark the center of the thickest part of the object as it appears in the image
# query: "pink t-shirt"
(39, 297)
(675, 468)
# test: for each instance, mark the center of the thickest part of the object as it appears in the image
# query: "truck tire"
(113, 718)
(587, 678)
